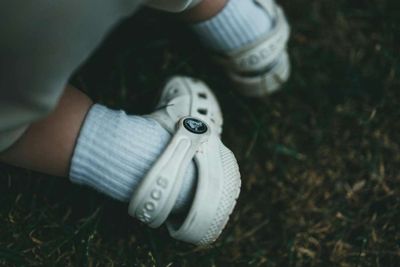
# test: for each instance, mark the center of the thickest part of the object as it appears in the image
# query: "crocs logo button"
(195, 126)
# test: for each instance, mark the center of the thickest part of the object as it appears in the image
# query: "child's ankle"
(238, 24)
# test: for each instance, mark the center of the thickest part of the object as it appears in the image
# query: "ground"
(319, 160)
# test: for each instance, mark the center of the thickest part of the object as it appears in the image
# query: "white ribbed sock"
(239, 23)
(114, 151)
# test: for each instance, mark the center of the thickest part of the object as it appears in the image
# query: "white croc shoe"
(261, 68)
(190, 112)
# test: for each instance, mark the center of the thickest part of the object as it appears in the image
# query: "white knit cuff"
(239, 23)
(113, 151)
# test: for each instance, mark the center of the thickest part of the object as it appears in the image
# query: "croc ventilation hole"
(202, 95)
(202, 111)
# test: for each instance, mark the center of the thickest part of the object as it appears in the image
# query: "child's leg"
(47, 145)
(225, 25)
(112, 154)
(205, 10)
(249, 38)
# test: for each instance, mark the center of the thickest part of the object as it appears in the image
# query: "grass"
(320, 160)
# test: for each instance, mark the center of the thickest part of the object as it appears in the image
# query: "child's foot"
(190, 112)
(192, 175)
(250, 38)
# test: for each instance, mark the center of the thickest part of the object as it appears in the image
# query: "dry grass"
(320, 160)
